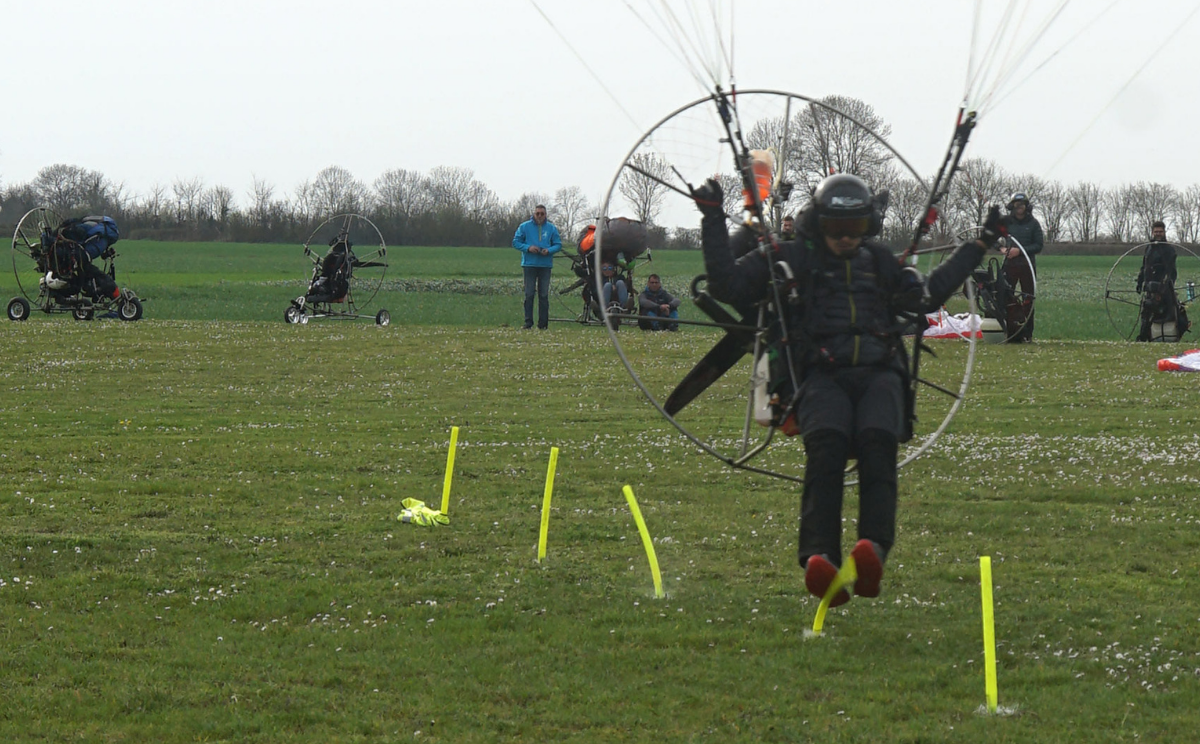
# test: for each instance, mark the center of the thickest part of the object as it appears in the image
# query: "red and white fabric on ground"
(1188, 361)
(944, 325)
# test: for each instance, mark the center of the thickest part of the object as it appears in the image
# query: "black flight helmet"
(845, 206)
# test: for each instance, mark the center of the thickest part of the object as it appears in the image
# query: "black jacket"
(846, 307)
(1028, 232)
(1158, 265)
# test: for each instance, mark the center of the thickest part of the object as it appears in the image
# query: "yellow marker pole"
(646, 541)
(546, 504)
(989, 632)
(847, 574)
(449, 470)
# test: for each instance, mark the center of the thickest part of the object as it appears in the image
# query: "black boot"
(826, 453)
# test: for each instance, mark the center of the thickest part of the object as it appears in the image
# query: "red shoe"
(870, 568)
(819, 573)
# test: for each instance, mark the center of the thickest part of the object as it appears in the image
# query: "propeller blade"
(719, 360)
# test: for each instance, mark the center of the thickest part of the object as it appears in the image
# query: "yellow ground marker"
(546, 504)
(989, 632)
(847, 574)
(646, 541)
(449, 470)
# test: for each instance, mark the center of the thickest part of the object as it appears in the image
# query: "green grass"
(198, 542)
(482, 286)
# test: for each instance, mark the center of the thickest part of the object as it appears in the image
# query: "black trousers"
(96, 282)
(827, 453)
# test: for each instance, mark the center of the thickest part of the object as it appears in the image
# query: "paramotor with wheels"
(68, 266)
(347, 256)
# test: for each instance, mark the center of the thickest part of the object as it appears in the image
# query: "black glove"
(994, 227)
(912, 295)
(709, 198)
(108, 253)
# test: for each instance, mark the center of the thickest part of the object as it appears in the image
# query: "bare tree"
(523, 206)
(58, 186)
(979, 184)
(304, 206)
(1086, 206)
(480, 201)
(906, 199)
(571, 210)
(840, 141)
(187, 199)
(644, 189)
(451, 186)
(260, 194)
(335, 190)
(70, 188)
(218, 202)
(401, 194)
(1054, 205)
(1186, 214)
(1149, 202)
(153, 206)
(1117, 212)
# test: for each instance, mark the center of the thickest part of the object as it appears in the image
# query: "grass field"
(198, 533)
(234, 281)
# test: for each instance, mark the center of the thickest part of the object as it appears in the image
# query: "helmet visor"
(844, 227)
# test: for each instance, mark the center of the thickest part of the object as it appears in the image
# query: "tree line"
(449, 206)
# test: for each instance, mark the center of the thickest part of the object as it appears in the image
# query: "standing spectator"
(1156, 279)
(537, 239)
(1027, 231)
(656, 302)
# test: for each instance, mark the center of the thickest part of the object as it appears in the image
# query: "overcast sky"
(151, 91)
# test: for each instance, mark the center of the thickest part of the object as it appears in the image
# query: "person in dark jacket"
(848, 350)
(1156, 285)
(655, 302)
(1026, 230)
(72, 251)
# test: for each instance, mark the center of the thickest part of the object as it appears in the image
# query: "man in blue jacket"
(537, 240)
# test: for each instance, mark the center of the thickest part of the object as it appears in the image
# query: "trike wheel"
(18, 309)
(130, 309)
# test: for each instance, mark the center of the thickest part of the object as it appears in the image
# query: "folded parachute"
(945, 325)
(1188, 361)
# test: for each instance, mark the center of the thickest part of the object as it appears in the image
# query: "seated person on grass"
(655, 302)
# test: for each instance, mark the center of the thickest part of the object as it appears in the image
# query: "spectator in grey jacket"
(656, 302)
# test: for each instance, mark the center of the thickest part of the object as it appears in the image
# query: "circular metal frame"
(982, 283)
(27, 250)
(33, 257)
(367, 269)
(1123, 303)
(746, 449)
